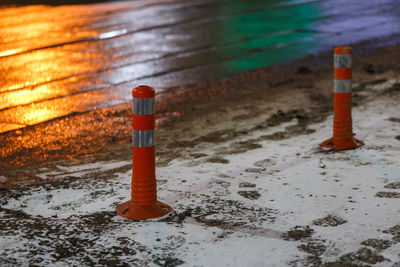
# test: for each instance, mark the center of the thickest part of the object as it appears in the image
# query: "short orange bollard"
(143, 203)
(342, 121)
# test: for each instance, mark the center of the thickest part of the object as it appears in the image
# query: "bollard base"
(131, 210)
(352, 143)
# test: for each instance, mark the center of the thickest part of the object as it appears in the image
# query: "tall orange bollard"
(342, 121)
(143, 203)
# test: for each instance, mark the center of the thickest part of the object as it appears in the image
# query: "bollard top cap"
(143, 91)
(343, 49)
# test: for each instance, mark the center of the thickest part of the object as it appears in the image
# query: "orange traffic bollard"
(342, 121)
(143, 203)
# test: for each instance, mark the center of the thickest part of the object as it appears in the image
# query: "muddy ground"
(200, 114)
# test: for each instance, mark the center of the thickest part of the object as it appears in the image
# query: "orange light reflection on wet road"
(29, 80)
(38, 115)
(11, 52)
(21, 97)
(58, 60)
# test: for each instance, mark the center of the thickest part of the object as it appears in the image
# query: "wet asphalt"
(66, 59)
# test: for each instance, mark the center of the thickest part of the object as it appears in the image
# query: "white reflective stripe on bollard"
(143, 138)
(342, 61)
(342, 86)
(143, 106)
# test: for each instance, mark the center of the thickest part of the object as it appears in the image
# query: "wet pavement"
(60, 60)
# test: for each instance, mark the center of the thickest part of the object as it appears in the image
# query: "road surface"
(60, 60)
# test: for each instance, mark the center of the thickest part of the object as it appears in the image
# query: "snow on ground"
(287, 202)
